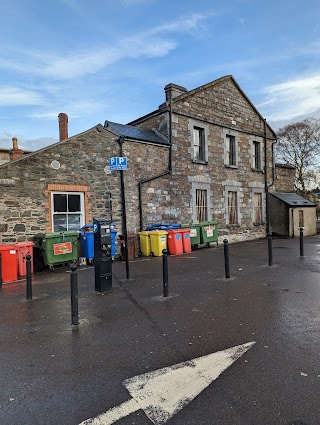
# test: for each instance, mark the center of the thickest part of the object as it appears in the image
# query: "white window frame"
(81, 212)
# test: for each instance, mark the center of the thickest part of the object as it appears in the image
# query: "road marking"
(164, 392)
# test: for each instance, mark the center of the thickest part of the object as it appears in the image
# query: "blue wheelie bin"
(87, 241)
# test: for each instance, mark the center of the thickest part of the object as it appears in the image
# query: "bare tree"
(299, 145)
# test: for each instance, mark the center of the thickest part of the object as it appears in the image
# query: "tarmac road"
(53, 373)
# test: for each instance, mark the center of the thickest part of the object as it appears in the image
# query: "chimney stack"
(15, 152)
(173, 90)
(63, 126)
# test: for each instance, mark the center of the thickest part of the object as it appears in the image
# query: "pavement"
(55, 373)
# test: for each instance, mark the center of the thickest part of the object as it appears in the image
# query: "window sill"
(259, 224)
(257, 170)
(231, 166)
(232, 226)
(199, 161)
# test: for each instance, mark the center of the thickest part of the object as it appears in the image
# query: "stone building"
(198, 157)
(292, 211)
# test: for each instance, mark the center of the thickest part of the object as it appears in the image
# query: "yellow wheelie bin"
(145, 246)
(158, 241)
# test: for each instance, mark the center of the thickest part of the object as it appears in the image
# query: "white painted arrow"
(164, 392)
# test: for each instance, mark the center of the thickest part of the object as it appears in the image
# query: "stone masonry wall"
(226, 105)
(285, 175)
(25, 184)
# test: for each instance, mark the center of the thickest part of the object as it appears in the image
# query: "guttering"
(165, 173)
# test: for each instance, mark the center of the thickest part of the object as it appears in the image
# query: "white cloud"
(10, 96)
(292, 98)
(154, 42)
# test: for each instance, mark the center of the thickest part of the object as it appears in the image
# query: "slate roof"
(136, 133)
(293, 200)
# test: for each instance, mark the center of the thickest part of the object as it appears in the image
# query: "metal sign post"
(120, 163)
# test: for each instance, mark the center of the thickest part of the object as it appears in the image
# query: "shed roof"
(293, 199)
(136, 133)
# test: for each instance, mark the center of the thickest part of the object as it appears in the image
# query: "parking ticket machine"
(102, 254)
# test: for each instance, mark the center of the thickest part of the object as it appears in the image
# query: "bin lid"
(59, 234)
(145, 232)
(7, 247)
(157, 232)
(175, 231)
(26, 243)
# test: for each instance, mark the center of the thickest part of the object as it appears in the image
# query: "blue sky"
(98, 60)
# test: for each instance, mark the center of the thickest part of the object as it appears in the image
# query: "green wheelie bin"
(57, 248)
(194, 233)
(208, 232)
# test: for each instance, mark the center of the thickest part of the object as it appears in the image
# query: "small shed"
(289, 212)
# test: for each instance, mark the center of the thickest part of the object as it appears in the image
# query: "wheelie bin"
(209, 232)
(87, 241)
(24, 248)
(186, 240)
(145, 246)
(57, 248)
(194, 233)
(175, 243)
(158, 242)
(9, 255)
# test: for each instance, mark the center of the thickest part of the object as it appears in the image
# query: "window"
(67, 211)
(201, 205)
(232, 208)
(301, 218)
(231, 150)
(257, 155)
(199, 144)
(257, 205)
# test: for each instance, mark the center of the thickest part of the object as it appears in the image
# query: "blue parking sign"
(118, 163)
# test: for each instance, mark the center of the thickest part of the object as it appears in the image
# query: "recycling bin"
(9, 255)
(87, 241)
(163, 226)
(186, 240)
(57, 248)
(208, 232)
(194, 233)
(158, 242)
(145, 246)
(175, 243)
(24, 248)
(113, 242)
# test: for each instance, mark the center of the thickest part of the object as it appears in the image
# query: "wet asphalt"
(53, 373)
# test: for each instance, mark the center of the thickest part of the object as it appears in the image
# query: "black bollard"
(301, 242)
(0, 269)
(165, 272)
(74, 294)
(29, 277)
(226, 258)
(269, 237)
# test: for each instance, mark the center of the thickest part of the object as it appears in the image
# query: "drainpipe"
(269, 236)
(141, 182)
(273, 164)
(292, 222)
(124, 214)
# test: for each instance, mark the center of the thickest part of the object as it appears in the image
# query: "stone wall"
(285, 176)
(221, 110)
(25, 184)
